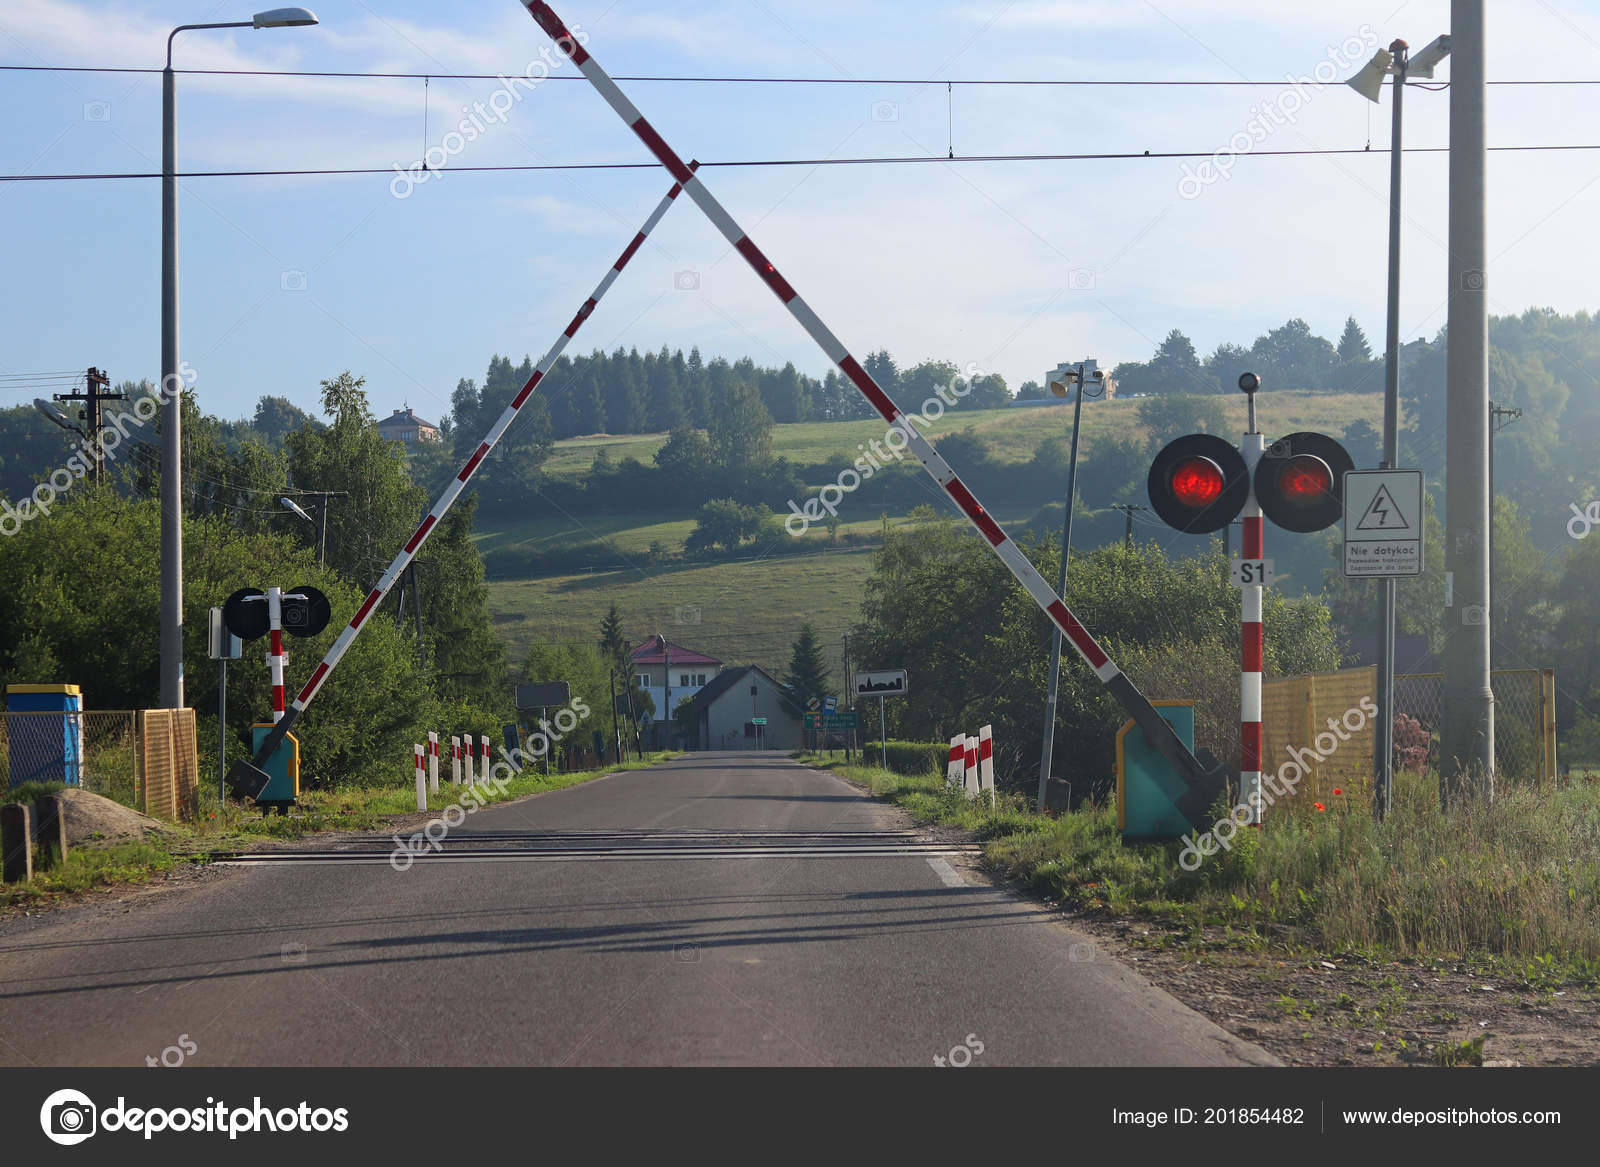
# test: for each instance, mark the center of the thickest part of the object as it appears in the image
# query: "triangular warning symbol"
(1382, 514)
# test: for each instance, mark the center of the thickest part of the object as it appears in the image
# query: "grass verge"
(1513, 888)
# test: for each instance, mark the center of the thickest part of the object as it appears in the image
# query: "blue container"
(46, 743)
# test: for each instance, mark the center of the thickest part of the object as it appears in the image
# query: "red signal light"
(1196, 482)
(1304, 479)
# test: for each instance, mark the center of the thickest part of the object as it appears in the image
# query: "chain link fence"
(1324, 723)
(144, 759)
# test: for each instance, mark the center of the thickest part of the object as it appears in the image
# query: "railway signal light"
(1299, 481)
(1198, 484)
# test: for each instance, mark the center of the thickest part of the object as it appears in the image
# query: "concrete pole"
(1383, 732)
(171, 695)
(1466, 761)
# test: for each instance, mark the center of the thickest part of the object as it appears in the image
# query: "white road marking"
(948, 875)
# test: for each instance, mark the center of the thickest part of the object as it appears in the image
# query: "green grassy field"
(1015, 433)
(750, 610)
(741, 612)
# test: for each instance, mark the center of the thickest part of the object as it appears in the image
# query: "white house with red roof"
(669, 672)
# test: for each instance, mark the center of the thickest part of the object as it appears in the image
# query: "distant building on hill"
(406, 427)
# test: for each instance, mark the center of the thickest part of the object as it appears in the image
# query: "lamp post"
(171, 396)
(1368, 82)
(1061, 380)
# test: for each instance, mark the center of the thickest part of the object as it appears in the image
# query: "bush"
(910, 758)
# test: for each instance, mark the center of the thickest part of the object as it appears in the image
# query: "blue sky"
(1012, 266)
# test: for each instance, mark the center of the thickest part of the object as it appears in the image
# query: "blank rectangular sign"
(543, 694)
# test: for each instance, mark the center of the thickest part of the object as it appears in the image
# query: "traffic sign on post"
(1383, 523)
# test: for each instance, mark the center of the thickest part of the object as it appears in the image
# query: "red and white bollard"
(1250, 648)
(469, 751)
(419, 753)
(986, 760)
(455, 759)
(433, 762)
(955, 768)
(971, 765)
(483, 753)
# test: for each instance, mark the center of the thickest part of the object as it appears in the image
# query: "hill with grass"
(746, 606)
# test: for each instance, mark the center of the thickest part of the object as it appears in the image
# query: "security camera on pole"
(1199, 483)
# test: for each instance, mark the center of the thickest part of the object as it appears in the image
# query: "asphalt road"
(830, 940)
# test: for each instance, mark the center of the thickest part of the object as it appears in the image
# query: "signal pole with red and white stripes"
(275, 657)
(1250, 638)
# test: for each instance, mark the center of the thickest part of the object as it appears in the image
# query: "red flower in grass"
(1336, 790)
(1319, 806)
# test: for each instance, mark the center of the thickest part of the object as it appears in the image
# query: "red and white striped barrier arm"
(1250, 647)
(414, 544)
(1027, 575)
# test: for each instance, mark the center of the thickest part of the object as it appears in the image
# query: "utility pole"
(1127, 508)
(615, 728)
(95, 381)
(1383, 732)
(1466, 755)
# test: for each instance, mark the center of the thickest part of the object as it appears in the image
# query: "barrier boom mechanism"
(1202, 782)
(247, 777)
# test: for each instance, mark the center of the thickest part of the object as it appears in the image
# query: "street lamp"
(57, 416)
(1061, 381)
(171, 396)
(1369, 83)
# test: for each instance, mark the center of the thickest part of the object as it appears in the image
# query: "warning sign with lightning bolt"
(1382, 514)
(1383, 523)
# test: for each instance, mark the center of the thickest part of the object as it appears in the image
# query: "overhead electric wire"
(879, 161)
(725, 80)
